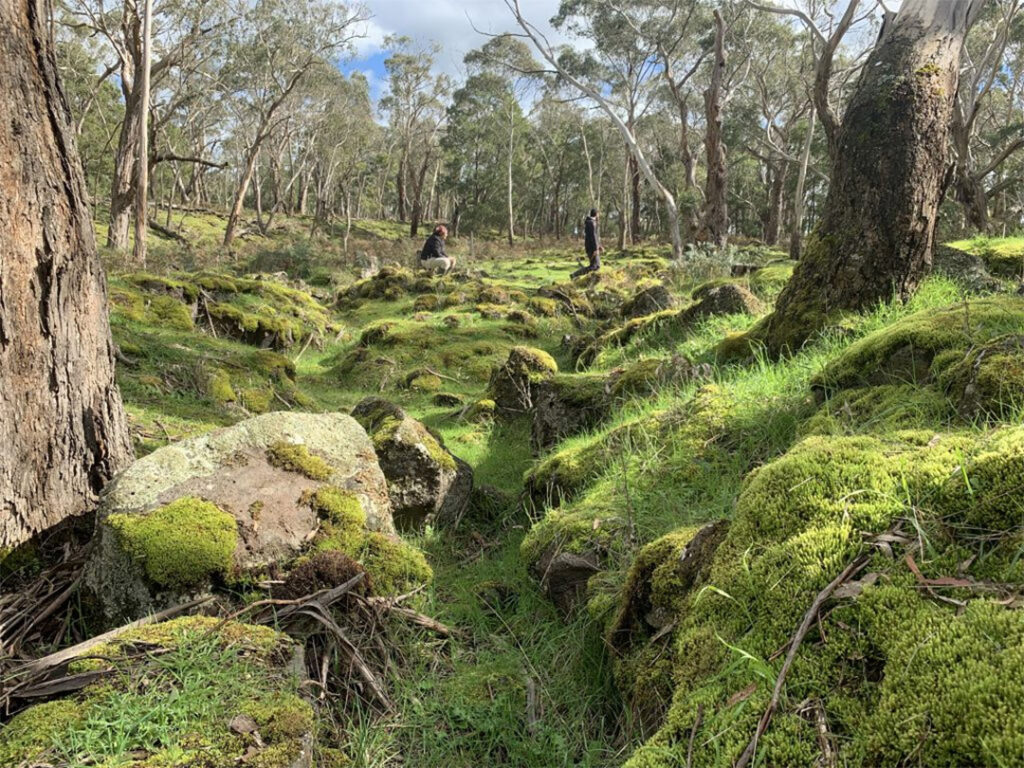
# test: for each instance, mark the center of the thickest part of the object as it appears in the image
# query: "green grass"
(518, 685)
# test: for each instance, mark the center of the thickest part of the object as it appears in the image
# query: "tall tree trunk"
(142, 182)
(773, 215)
(716, 211)
(400, 188)
(122, 185)
(240, 192)
(511, 215)
(796, 233)
(62, 425)
(634, 180)
(875, 236)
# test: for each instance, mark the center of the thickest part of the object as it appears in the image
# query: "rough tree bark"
(62, 425)
(716, 211)
(874, 240)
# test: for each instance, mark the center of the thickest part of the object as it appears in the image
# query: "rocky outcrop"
(233, 501)
(564, 575)
(566, 405)
(725, 299)
(424, 480)
(648, 301)
(513, 384)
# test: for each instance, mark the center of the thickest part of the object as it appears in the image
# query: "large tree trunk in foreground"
(875, 237)
(63, 431)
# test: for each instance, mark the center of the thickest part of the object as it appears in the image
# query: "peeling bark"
(62, 425)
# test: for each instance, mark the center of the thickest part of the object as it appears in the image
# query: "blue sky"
(447, 22)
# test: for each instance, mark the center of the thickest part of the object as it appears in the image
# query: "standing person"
(592, 244)
(433, 257)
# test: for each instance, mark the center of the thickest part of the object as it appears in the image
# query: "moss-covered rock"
(565, 405)
(393, 566)
(424, 479)
(511, 384)
(253, 480)
(987, 382)
(180, 545)
(655, 298)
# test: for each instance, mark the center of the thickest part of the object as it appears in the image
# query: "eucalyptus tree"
(875, 237)
(988, 128)
(275, 45)
(621, 83)
(181, 31)
(415, 106)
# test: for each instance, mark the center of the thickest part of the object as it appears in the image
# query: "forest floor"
(809, 457)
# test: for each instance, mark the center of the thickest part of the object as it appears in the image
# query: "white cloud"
(451, 24)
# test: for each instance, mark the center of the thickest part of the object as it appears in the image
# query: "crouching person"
(433, 257)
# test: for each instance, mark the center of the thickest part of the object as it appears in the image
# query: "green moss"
(987, 381)
(257, 399)
(904, 351)
(543, 306)
(339, 507)
(482, 410)
(531, 360)
(423, 381)
(171, 709)
(295, 457)
(492, 294)
(31, 733)
(168, 312)
(220, 387)
(883, 410)
(956, 692)
(180, 545)
(985, 492)
(394, 566)
(428, 302)
(281, 716)
(769, 280)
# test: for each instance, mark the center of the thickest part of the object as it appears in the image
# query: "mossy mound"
(880, 410)
(988, 382)
(916, 348)
(172, 708)
(258, 310)
(179, 380)
(886, 652)
(466, 349)
(651, 374)
(388, 284)
(655, 298)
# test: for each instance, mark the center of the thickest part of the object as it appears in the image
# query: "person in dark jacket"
(592, 244)
(433, 257)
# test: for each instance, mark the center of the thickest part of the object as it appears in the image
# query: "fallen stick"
(852, 568)
(60, 657)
